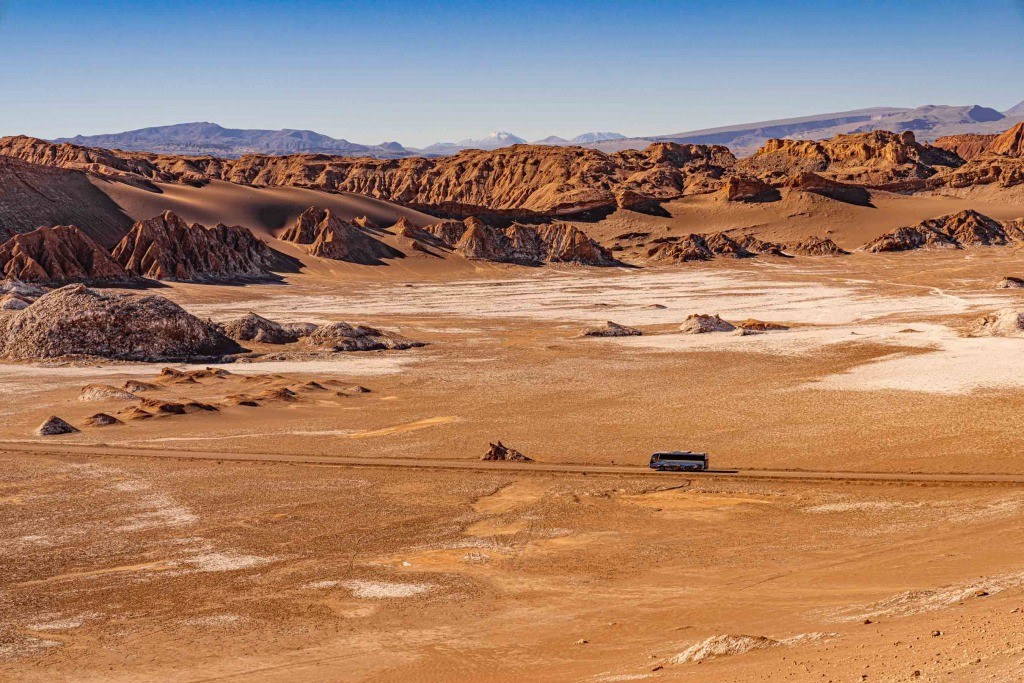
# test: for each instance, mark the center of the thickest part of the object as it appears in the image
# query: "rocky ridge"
(58, 255)
(966, 228)
(167, 248)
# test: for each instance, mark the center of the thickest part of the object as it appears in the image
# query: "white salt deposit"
(379, 590)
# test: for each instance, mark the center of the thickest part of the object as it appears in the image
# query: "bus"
(679, 461)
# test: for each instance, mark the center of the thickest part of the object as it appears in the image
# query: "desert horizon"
(732, 404)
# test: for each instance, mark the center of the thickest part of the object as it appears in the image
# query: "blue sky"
(420, 72)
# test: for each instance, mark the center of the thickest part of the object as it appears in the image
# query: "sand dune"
(265, 211)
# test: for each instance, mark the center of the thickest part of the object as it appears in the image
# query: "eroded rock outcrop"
(255, 328)
(342, 336)
(701, 323)
(78, 321)
(1010, 282)
(875, 159)
(694, 247)
(1006, 322)
(58, 255)
(816, 246)
(330, 237)
(967, 146)
(966, 228)
(167, 248)
(610, 329)
(739, 188)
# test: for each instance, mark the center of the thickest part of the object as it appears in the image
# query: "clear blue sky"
(424, 71)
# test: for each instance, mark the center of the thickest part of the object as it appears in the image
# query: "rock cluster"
(966, 228)
(167, 248)
(75, 320)
(58, 255)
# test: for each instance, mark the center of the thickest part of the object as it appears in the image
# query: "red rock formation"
(743, 189)
(167, 248)
(877, 158)
(1009, 143)
(448, 231)
(833, 189)
(966, 146)
(568, 244)
(333, 238)
(56, 256)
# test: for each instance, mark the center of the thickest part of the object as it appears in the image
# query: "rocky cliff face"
(877, 158)
(57, 255)
(967, 146)
(333, 238)
(77, 321)
(1009, 143)
(967, 228)
(167, 248)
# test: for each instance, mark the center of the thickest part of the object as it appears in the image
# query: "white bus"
(679, 461)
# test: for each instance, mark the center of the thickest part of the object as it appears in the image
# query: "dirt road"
(453, 464)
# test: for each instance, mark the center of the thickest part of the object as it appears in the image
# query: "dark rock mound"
(167, 248)
(342, 336)
(499, 451)
(76, 320)
(102, 420)
(53, 426)
(1010, 282)
(610, 329)
(817, 246)
(58, 255)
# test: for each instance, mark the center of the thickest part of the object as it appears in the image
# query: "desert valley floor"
(839, 324)
(259, 559)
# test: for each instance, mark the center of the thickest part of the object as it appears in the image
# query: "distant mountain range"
(928, 122)
(209, 138)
